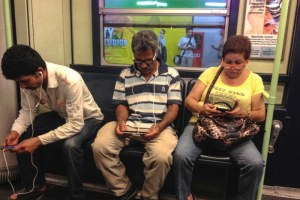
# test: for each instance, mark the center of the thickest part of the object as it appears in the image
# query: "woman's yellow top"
(253, 85)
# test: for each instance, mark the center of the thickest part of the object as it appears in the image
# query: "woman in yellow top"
(235, 85)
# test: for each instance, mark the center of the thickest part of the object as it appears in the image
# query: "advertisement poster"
(118, 32)
(117, 40)
(261, 26)
(117, 44)
(198, 52)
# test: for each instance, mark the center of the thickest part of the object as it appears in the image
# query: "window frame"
(98, 11)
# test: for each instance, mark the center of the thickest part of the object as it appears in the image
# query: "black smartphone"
(225, 106)
(8, 147)
(223, 109)
(134, 133)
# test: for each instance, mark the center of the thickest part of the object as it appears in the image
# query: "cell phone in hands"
(7, 148)
(134, 133)
(222, 109)
(225, 106)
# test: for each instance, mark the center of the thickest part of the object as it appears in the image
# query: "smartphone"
(134, 133)
(225, 106)
(223, 109)
(8, 147)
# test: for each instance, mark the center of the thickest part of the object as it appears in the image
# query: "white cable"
(153, 105)
(137, 104)
(8, 172)
(31, 157)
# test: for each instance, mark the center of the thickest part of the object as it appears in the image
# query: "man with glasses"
(146, 95)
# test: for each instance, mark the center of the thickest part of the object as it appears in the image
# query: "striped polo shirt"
(147, 100)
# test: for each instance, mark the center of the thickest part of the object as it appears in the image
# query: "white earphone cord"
(137, 105)
(8, 172)
(153, 105)
(31, 157)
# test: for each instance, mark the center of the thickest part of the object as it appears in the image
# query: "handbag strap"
(212, 84)
(187, 46)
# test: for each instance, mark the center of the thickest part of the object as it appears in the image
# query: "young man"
(146, 95)
(74, 118)
(187, 44)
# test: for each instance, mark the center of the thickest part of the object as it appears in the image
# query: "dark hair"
(187, 29)
(237, 44)
(144, 40)
(20, 60)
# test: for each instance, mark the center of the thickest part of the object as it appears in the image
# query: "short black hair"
(20, 60)
(187, 29)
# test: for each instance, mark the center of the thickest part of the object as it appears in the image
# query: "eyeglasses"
(147, 62)
(236, 63)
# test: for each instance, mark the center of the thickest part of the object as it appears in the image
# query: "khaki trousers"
(157, 160)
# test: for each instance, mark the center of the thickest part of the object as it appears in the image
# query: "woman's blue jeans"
(245, 154)
(73, 151)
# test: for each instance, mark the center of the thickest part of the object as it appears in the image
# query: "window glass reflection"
(204, 48)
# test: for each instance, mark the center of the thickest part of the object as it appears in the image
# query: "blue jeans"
(244, 154)
(73, 150)
(186, 61)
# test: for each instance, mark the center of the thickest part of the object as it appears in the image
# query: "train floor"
(55, 192)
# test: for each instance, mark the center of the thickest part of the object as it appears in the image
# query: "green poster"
(117, 43)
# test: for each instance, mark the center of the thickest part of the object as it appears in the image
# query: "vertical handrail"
(273, 89)
(7, 23)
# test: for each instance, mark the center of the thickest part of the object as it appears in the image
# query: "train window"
(208, 35)
(165, 4)
(119, 20)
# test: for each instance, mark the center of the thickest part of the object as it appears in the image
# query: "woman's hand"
(210, 109)
(238, 111)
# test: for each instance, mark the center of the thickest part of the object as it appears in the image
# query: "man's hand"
(11, 139)
(28, 145)
(153, 132)
(121, 127)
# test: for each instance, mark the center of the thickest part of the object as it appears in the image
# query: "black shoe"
(128, 195)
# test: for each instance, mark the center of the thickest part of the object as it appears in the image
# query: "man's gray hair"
(144, 40)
